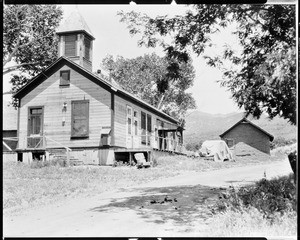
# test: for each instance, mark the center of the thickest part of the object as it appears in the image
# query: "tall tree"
(263, 77)
(29, 41)
(161, 82)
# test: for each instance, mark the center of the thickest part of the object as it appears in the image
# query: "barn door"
(35, 127)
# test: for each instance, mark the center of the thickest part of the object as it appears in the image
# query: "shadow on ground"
(181, 205)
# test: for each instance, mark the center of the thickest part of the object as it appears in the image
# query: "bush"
(280, 142)
(268, 196)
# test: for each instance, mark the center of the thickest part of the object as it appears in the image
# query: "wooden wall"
(52, 97)
(248, 134)
(121, 120)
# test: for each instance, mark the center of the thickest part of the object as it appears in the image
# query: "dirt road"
(164, 208)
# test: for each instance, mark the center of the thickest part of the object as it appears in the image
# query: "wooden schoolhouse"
(69, 111)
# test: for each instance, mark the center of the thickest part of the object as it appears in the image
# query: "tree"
(153, 79)
(29, 40)
(262, 78)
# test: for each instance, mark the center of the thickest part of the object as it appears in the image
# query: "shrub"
(268, 196)
(280, 142)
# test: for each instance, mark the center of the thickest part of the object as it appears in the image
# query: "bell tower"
(76, 40)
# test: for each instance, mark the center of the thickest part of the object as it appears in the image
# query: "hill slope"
(202, 126)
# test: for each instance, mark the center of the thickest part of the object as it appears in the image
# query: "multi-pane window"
(129, 120)
(80, 118)
(64, 78)
(87, 47)
(70, 45)
(135, 122)
(143, 127)
(146, 127)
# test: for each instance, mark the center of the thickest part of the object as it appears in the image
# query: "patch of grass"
(249, 222)
(267, 208)
(40, 183)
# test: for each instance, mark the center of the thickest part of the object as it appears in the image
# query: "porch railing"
(160, 143)
(41, 144)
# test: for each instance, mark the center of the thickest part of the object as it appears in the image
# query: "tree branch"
(13, 68)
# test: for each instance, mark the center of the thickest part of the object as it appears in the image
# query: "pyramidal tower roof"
(74, 23)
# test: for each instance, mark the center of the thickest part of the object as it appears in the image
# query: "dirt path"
(142, 210)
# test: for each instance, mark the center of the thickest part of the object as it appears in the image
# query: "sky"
(112, 38)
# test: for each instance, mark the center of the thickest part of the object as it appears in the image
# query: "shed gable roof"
(252, 124)
(110, 86)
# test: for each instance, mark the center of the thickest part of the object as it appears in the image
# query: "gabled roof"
(74, 23)
(245, 120)
(110, 86)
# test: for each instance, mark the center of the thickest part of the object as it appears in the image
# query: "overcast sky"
(112, 38)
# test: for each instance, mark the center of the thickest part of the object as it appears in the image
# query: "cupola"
(76, 40)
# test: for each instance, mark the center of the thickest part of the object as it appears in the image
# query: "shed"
(248, 133)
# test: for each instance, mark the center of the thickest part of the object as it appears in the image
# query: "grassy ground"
(25, 186)
(267, 208)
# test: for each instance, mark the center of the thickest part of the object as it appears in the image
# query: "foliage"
(262, 77)
(193, 146)
(29, 40)
(281, 142)
(159, 81)
(267, 196)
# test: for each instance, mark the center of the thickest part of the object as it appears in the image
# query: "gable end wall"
(248, 134)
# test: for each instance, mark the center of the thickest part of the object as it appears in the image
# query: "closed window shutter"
(70, 45)
(80, 119)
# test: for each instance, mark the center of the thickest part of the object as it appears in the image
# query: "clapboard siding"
(52, 97)
(121, 118)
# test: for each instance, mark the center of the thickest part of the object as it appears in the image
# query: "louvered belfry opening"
(70, 45)
(76, 40)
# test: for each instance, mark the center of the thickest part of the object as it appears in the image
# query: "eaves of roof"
(257, 127)
(103, 83)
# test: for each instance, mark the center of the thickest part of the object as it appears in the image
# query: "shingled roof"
(74, 23)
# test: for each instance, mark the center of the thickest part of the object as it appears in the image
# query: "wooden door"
(35, 127)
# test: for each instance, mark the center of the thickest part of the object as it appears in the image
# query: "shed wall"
(246, 133)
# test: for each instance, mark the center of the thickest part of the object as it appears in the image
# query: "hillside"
(202, 126)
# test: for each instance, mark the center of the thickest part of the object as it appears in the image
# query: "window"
(229, 142)
(149, 129)
(64, 78)
(135, 123)
(70, 45)
(143, 127)
(146, 127)
(87, 48)
(129, 120)
(80, 119)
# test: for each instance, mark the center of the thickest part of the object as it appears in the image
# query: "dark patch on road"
(181, 204)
